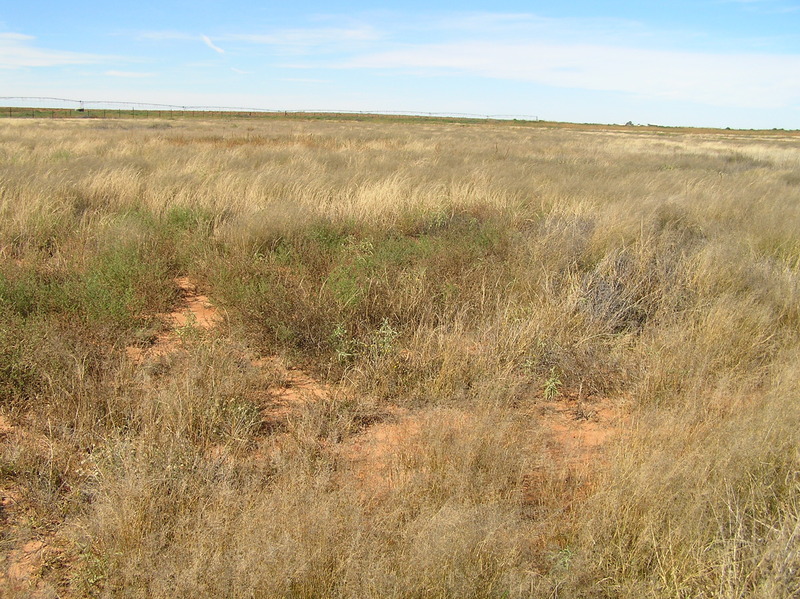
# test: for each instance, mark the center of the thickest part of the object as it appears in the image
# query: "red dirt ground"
(22, 562)
(575, 429)
(195, 310)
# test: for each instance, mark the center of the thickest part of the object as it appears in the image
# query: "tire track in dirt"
(22, 561)
(573, 430)
(197, 311)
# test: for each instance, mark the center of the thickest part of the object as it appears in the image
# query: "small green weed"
(552, 385)
(345, 347)
(382, 340)
(189, 330)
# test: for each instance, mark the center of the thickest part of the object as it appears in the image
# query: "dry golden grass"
(446, 285)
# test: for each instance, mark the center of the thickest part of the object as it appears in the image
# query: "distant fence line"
(30, 106)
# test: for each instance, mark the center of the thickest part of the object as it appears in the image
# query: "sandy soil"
(574, 429)
(577, 428)
(194, 311)
(25, 554)
(298, 389)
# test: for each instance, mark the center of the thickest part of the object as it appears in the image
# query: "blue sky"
(703, 63)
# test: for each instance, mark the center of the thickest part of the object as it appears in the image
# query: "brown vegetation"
(377, 359)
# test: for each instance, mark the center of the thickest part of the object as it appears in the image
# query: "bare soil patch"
(578, 429)
(297, 389)
(574, 429)
(26, 552)
(195, 311)
(23, 567)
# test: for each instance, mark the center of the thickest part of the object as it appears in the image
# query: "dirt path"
(195, 311)
(573, 431)
(27, 551)
(576, 428)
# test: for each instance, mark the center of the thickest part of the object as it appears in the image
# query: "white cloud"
(18, 51)
(743, 80)
(634, 59)
(15, 37)
(526, 25)
(304, 80)
(207, 41)
(129, 74)
(311, 36)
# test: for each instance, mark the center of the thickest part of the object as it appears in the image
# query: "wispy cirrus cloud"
(297, 40)
(18, 50)
(602, 54)
(207, 41)
(311, 36)
(304, 80)
(305, 37)
(745, 80)
(624, 56)
(527, 25)
(178, 36)
(312, 40)
(129, 74)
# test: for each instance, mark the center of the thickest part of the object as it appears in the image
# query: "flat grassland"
(375, 359)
